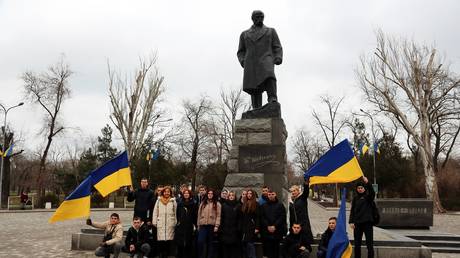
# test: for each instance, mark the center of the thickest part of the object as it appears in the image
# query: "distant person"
(249, 224)
(136, 242)
(264, 196)
(325, 237)
(143, 205)
(298, 209)
(230, 236)
(243, 196)
(296, 243)
(186, 215)
(164, 220)
(24, 199)
(113, 234)
(273, 225)
(209, 217)
(361, 217)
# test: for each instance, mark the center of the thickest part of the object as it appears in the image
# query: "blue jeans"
(206, 239)
(249, 250)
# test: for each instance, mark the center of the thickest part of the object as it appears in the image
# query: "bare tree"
(134, 103)
(195, 131)
(307, 149)
(331, 126)
(408, 82)
(49, 90)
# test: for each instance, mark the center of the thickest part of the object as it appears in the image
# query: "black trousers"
(231, 250)
(271, 248)
(268, 85)
(368, 230)
(164, 248)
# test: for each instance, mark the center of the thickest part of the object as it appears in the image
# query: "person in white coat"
(164, 219)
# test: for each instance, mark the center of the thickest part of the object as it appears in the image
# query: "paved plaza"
(28, 234)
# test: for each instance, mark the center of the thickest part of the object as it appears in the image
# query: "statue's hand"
(277, 61)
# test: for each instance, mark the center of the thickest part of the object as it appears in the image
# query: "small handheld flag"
(338, 165)
(339, 245)
(114, 174)
(77, 204)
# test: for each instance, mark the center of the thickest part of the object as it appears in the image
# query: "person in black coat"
(186, 215)
(144, 199)
(230, 236)
(273, 225)
(361, 217)
(296, 243)
(298, 209)
(249, 224)
(325, 237)
(136, 242)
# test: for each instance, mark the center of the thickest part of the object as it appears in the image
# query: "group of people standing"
(211, 224)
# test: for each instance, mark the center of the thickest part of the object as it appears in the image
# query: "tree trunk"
(431, 185)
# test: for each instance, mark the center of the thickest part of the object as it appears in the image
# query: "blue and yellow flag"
(114, 174)
(339, 246)
(76, 205)
(376, 147)
(338, 165)
(363, 148)
(153, 156)
(9, 151)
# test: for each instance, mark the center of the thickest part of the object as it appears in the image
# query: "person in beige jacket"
(113, 234)
(208, 224)
(164, 219)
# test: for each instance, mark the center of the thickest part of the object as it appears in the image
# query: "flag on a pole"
(156, 155)
(9, 151)
(363, 148)
(114, 174)
(376, 147)
(338, 165)
(76, 205)
(339, 245)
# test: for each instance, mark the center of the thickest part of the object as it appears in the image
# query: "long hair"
(249, 205)
(213, 200)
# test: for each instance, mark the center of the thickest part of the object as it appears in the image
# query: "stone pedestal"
(258, 156)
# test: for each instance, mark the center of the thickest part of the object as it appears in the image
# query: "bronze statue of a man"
(258, 51)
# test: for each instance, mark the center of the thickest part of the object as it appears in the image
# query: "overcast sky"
(196, 43)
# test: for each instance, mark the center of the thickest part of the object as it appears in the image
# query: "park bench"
(14, 203)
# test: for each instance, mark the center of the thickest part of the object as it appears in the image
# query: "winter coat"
(144, 200)
(361, 206)
(116, 230)
(137, 237)
(164, 219)
(298, 212)
(229, 233)
(273, 213)
(324, 241)
(209, 214)
(248, 223)
(293, 242)
(186, 222)
(257, 51)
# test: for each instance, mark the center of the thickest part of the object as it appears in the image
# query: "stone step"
(445, 250)
(441, 243)
(436, 237)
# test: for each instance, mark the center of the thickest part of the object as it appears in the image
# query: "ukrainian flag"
(76, 205)
(114, 174)
(339, 246)
(9, 151)
(363, 149)
(338, 165)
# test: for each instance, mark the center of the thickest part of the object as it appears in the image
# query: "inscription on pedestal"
(261, 159)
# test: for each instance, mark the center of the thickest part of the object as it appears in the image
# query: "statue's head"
(257, 17)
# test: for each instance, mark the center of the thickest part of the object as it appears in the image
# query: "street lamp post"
(373, 147)
(5, 110)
